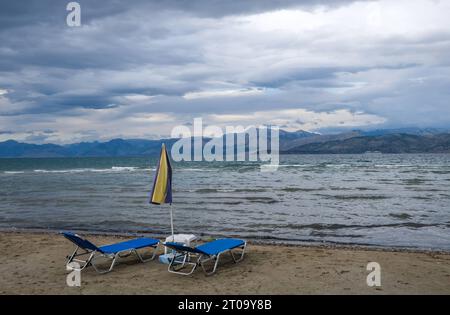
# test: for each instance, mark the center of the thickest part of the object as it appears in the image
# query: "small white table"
(185, 239)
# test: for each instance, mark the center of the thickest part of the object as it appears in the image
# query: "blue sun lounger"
(204, 253)
(92, 252)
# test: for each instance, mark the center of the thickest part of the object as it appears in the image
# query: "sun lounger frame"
(183, 256)
(95, 253)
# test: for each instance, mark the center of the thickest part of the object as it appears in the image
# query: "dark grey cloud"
(32, 12)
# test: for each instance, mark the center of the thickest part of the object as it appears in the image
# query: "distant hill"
(409, 131)
(389, 143)
(118, 147)
(13, 148)
(315, 138)
(412, 140)
(115, 147)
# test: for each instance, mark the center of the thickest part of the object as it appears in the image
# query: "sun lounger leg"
(118, 255)
(88, 261)
(216, 259)
(102, 271)
(71, 257)
(175, 262)
(148, 259)
(84, 263)
(242, 253)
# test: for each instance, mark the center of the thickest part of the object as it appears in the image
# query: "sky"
(137, 69)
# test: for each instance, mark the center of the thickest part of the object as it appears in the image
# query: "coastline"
(35, 264)
(256, 241)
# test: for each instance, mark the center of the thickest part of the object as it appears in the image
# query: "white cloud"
(222, 93)
(153, 118)
(294, 119)
(138, 98)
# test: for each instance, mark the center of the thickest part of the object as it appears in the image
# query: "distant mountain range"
(409, 140)
(115, 147)
(389, 143)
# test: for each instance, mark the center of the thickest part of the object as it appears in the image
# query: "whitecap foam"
(195, 170)
(393, 165)
(61, 171)
(97, 170)
(337, 165)
(124, 168)
(289, 165)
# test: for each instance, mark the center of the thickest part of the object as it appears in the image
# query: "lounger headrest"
(79, 241)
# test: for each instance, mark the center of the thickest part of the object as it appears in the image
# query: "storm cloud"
(135, 69)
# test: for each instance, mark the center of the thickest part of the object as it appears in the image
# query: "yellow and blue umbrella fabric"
(162, 185)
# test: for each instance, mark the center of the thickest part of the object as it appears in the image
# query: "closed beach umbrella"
(162, 185)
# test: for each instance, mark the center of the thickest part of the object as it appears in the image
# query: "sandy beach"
(34, 263)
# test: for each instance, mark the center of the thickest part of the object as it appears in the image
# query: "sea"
(380, 200)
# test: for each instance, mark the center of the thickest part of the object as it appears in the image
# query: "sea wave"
(213, 190)
(420, 166)
(124, 168)
(82, 170)
(394, 165)
(336, 226)
(196, 169)
(62, 171)
(289, 165)
(354, 197)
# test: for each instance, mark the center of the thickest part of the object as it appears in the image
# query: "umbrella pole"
(171, 223)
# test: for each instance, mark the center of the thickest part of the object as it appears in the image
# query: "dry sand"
(34, 263)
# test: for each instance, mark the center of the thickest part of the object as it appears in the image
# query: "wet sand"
(34, 263)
